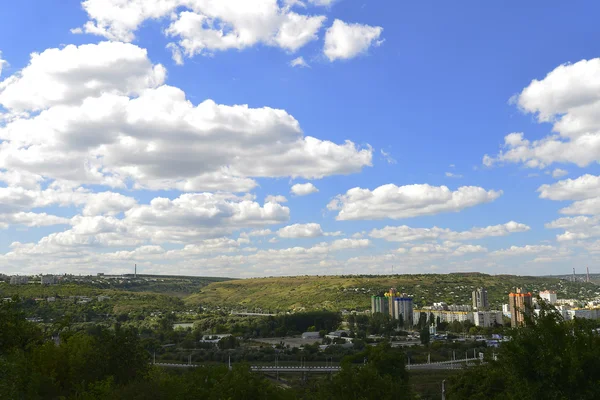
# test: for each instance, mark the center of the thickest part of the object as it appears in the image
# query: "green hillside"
(350, 292)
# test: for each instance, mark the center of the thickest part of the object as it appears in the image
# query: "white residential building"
(444, 316)
(487, 319)
(48, 280)
(549, 296)
(19, 280)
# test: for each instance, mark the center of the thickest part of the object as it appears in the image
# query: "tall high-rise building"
(379, 304)
(400, 305)
(520, 304)
(480, 299)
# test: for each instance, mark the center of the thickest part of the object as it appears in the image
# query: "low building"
(568, 302)
(19, 280)
(448, 307)
(443, 315)
(583, 313)
(311, 335)
(432, 329)
(549, 296)
(487, 319)
(340, 333)
(48, 280)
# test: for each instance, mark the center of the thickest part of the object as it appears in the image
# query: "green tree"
(228, 342)
(425, 336)
(549, 358)
(382, 376)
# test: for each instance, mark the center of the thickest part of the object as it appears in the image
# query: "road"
(456, 364)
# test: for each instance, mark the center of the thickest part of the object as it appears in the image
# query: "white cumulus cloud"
(303, 189)
(300, 231)
(3, 63)
(569, 98)
(68, 75)
(584, 191)
(523, 250)
(299, 62)
(345, 40)
(408, 234)
(275, 199)
(157, 140)
(557, 173)
(396, 202)
(206, 26)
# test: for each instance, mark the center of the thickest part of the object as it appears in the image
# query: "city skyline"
(267, 138)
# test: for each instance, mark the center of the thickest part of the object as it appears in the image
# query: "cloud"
(3, 63)
(396, 202)
(195, 215)
(453, 175)
(585, 187)
(387, 157)
(159, 140)
(31, 219)
(16, 199)
(186, 219)
(176, 53)
(275, 199)
(260, 232)
(523, 250)
(249, 23)
(107, 203)
(299, 62)
(576, 228)
(344, 40)
(589, 206)
(300, 231)
(300, 3)
(67, 76)
(407, 234)
(434, 250)
(585, 191)
(303, 189)
(557, 173)
(569, 98)
(203, 26)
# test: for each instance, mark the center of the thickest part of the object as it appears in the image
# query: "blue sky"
(473, 133)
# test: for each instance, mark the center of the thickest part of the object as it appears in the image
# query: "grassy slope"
(338, 292)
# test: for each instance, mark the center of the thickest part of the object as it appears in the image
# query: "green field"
(353, 292)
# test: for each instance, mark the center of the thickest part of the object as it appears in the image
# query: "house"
(311, 335)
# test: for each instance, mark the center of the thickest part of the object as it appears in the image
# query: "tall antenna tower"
(587, 277)
(573, 274)
(135, 271)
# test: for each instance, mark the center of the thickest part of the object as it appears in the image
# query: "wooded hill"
(354, 292)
